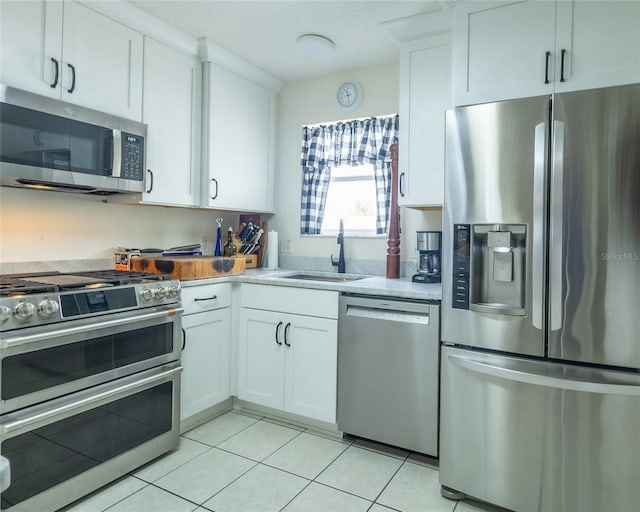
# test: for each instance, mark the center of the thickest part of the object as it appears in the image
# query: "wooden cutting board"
(190, 267)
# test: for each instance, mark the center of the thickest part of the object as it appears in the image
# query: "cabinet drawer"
(297, 301)
(206, 297)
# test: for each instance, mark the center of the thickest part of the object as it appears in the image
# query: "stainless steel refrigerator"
(540, 362)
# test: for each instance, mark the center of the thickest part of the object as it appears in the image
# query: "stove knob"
(24, 310)
(174, 291)
(146, 294)
(48, 307)
(160, 293)
(5, 313)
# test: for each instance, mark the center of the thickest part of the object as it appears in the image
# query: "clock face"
(349, 95)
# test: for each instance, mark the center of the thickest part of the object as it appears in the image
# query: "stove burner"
(50, 282)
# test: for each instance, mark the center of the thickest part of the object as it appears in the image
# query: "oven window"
(42, 369)
(43, 458)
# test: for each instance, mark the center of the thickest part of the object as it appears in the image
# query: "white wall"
(38, 225)
(313, 101)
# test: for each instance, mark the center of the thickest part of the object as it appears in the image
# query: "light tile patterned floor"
(241, 463)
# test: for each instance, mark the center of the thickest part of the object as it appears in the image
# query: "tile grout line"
(389, 481)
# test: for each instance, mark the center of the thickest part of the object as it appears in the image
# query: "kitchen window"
(346, 169)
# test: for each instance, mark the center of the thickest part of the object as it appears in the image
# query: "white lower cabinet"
(206, 353)
(288, 361)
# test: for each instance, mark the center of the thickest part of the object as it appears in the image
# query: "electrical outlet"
(285, 246)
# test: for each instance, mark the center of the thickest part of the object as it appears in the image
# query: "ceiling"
(265, 32)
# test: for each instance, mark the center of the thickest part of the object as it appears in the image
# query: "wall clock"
(349, 95)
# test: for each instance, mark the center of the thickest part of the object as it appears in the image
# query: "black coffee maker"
(429, 245)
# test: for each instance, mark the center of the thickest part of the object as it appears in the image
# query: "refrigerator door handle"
(555, 230)
(537, 270)
(591, 381)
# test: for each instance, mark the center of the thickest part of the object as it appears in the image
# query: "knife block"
(252, 260)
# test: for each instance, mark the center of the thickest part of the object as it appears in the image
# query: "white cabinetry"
(68, 51)
(171, 109)
(206, 354)
(287, 351)
(239, 157)
(425, 94)
(508, 50)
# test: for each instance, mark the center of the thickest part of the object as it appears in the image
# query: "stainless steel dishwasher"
(388, 371)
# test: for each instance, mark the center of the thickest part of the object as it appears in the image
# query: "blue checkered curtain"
(361, 141)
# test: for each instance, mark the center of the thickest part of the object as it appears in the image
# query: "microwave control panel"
(132, 157)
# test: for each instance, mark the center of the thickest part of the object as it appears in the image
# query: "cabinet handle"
(277, 329)
(286, 330)
(214, 196)
(150, 172)
(184, 339)
(73, 78)
(213, 297)
(546, 67)
(57, 74)
(562, 54)
(401, 184)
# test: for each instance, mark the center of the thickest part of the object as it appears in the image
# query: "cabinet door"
(311, 346)
(206, 360)
(31, 46)
(102, 63)
(261, 357)
(500, 50)
(241, 143)
(601, 40)
(425, 94)
(171, 110)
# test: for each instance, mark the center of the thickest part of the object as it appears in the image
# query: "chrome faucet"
(340, 263)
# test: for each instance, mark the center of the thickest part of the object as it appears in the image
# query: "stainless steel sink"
(338, 278)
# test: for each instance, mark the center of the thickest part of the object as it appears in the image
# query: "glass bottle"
(230, 247)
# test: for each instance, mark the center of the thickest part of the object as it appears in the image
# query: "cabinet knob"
(401, 184)
(277, 329)
(563, 52)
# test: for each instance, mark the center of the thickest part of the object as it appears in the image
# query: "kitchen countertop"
(368, 285)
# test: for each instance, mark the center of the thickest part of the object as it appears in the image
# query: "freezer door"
(594, 258)
(494, 227)
(537, 436)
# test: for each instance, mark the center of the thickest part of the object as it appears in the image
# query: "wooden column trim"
(393, 240)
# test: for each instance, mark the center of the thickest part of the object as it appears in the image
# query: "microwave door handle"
(116, 168)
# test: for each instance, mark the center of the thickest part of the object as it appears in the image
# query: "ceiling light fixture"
(316, 46)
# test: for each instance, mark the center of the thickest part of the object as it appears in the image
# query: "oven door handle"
(90, 400)
(34, 338)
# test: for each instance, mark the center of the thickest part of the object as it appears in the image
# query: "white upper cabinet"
(31, 46)
(66, 50)
(505, 50)
(601, 40)
(171, 110)
(425, 94)
(239, 151)
(500, 50)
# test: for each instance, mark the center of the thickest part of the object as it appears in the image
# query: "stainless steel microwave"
(50, 144)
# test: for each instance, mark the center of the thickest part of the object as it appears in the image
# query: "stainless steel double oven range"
(89, 380)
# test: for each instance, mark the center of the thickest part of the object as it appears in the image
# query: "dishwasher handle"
(392, 315)
(389, 304)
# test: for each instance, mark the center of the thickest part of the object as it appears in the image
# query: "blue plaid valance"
(361, 141)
